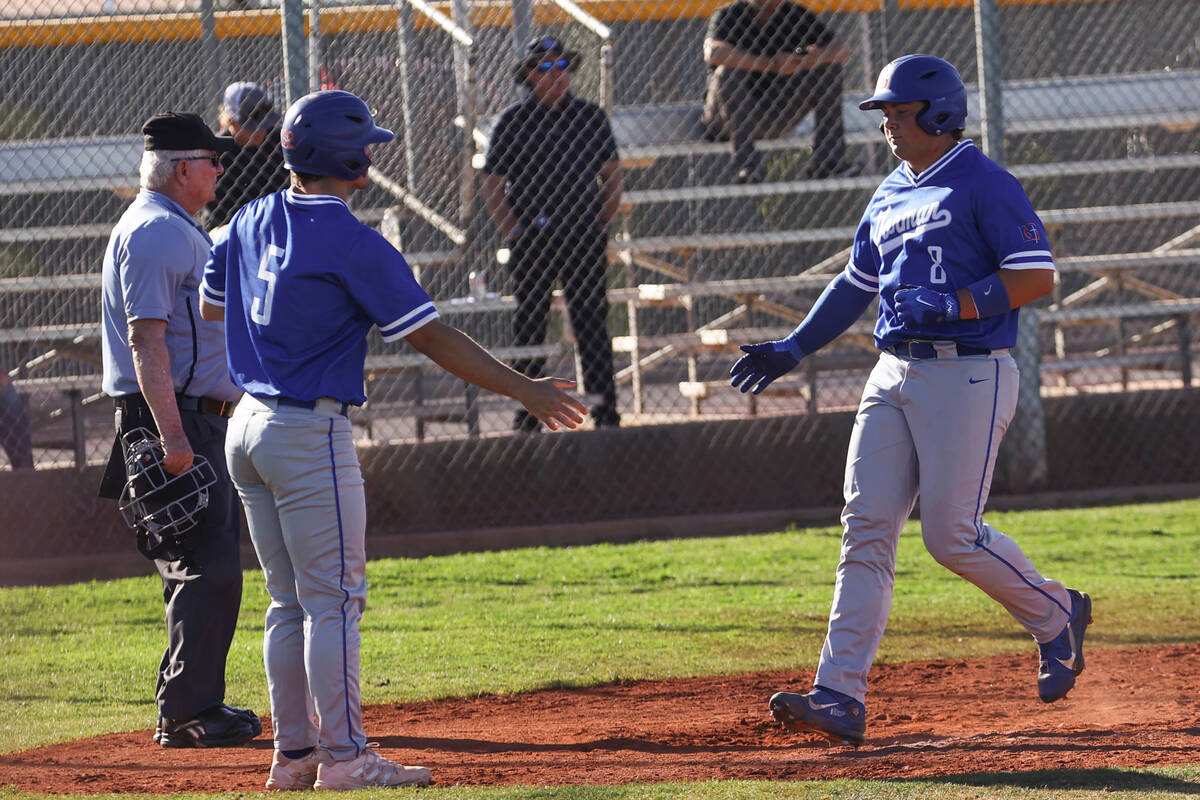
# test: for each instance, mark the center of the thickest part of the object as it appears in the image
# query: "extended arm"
(461, 356)
(838, 307)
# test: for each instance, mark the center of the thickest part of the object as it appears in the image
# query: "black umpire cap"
(171, 130)
(537, 50)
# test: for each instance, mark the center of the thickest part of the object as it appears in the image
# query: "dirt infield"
(1131, 708)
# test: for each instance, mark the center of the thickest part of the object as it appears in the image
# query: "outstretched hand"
(762, 364)
(546, 400)
(917, 305)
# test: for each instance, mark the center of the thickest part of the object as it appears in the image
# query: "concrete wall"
(693, 478)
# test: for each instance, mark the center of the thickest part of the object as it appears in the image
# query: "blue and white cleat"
(1062, 658)
(839, 718)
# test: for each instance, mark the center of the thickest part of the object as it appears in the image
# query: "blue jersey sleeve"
(863, 267)
(212, 287)
(1009, 224)
(384, 287)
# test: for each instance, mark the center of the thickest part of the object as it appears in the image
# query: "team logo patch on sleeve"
(1030, 231)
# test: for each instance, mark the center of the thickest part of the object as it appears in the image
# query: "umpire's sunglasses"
(214, 159)
(546, 66)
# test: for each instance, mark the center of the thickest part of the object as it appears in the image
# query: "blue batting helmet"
(327, 133)
(928, 78)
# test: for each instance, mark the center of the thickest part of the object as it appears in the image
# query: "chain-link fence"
(712, 242)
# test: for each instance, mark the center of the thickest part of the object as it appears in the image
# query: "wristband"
(990, 296)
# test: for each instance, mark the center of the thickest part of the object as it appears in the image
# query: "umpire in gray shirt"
(166, 370)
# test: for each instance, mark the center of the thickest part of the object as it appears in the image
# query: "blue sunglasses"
(546, 66)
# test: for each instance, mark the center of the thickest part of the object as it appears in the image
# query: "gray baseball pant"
(930, 428)
(298, 476)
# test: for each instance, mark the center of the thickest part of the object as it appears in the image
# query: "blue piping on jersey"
(979, 497)
(337, 505)
(195, 345)
(936, 167)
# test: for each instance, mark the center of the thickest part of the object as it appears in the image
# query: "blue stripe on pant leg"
(342, 585)
(979, 497)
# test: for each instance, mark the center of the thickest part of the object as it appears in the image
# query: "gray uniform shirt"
(152, 270)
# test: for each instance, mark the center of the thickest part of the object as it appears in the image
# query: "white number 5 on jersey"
(937, 274)
(260, 309)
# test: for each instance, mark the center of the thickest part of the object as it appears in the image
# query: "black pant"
(743, 106)
(202, 593)
(574, 257)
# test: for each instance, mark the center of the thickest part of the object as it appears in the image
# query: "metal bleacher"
(646, 135)
(1078, 104)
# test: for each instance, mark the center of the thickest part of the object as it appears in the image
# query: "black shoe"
(846, 169)
(216, 727)
(246, 714)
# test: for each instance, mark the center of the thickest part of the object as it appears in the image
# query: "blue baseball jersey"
(960, 220)
(302, 282)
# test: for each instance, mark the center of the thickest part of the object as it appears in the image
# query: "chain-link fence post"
(522, 11)
(466, 101)
(405, 47)
(214, 64)
(314, 45)
(1025, 468)
(295, 50)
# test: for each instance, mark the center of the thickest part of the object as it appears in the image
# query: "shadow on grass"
(1107, 779)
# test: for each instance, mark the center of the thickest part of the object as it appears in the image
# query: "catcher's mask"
(154, 501)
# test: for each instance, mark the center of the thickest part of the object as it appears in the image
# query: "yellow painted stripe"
(374, 19)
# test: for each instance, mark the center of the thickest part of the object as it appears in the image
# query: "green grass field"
(80, 660)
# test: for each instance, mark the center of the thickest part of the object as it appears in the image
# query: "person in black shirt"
(256, 167)
(771, 62)
(552, 184)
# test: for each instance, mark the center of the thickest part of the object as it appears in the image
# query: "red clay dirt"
(1131, 708)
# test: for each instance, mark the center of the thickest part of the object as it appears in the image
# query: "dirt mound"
(1131, 708)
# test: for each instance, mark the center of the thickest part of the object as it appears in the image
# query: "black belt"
(205, 405)
(921, 350)
(185, 402)
(309, 404)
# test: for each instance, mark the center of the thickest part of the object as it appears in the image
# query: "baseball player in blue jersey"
(300, 281)
(952, 247)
